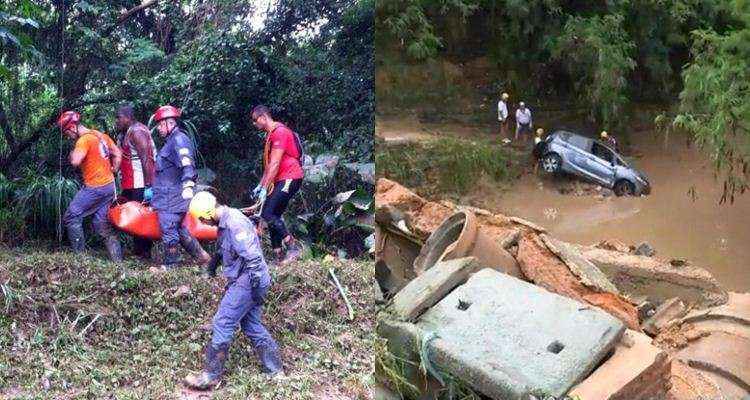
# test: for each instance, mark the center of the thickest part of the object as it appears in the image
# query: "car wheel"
(624, 187)
(551, 163)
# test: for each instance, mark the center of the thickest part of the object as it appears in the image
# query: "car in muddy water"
(567, 152)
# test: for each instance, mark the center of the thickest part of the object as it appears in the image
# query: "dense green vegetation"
(79, 327)
(691, 56)
(310, 61)
(447, 165)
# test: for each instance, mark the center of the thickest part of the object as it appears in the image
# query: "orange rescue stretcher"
(138, 219)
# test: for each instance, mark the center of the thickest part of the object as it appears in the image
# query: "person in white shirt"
(502, 114)
(523, 120)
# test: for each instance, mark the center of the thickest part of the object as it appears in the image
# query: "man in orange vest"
(99, 158)
(282, 170)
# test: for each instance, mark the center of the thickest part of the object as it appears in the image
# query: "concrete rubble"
(497, 304)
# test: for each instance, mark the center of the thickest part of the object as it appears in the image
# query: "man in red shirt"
(283, 175)
(137, 169)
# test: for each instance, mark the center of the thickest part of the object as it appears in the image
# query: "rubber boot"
(171, 257)
(194, 248)
(75, 235)
(270, 359)
(114, 250)
(277, 256)
(293, 251)
(210, 377)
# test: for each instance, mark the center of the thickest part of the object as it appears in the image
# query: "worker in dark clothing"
(248, 282)
(282, 177)
(98, 157)
(173, 188)
(138, 169)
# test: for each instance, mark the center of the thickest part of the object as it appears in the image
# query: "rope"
(60, 136)
(424, 355)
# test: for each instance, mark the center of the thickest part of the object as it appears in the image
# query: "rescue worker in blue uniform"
(173, 188)
(248, 282)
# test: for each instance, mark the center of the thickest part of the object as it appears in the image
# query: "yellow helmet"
(505, 96)
(603, 134)
(203, 205)
(539, 132)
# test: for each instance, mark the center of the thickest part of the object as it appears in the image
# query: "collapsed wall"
(414, 235)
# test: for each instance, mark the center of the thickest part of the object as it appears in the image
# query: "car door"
(576, 147)
(600, 163)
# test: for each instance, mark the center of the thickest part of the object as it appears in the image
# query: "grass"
(77, 326)
(446, 165)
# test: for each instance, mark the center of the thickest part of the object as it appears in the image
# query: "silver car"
(564, 151)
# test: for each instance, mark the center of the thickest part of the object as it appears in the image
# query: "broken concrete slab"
(725, 358)
(639, 275)
(544, 268)
(585, 270)
(430, 287)
(690, 384)
(395, 254)
(668, 312)
(637, 370)
(508, 338)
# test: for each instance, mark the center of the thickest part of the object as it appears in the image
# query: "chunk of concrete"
(640, 275)
(427, 289)
(732, 317)
(585, 270)
(668, 312)
(509, 339)
(724, 357)
(637, 370)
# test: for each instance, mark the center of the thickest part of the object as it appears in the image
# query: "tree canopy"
(602, 56)
(311, 62)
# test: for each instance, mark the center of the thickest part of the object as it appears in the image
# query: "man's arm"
(78, 153)
(273, 167)
(186, 160)
(246, 244)
(116, 155)
(76, 157)
(142, 143)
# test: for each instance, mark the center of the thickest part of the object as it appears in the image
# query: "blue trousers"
(242, 305)
(89, 201)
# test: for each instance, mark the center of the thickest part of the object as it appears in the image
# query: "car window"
(603, 152)
(580, 142)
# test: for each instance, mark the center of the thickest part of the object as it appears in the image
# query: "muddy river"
(682, 218)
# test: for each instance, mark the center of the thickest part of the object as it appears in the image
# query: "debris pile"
(459, 278)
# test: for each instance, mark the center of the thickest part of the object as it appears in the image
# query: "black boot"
(114, 250)
(293, 251)
(75, 235)
(216, 356)
(193, 247)
(270, 358)
(171, 257)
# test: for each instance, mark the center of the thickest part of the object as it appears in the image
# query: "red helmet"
(166, 112)
(68, 120)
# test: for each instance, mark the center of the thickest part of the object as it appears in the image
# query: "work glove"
(148, 193)
(256, 191)
(213, 265)
(262, 195)
(187, 193)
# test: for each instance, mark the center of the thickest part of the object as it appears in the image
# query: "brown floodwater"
(681, 218)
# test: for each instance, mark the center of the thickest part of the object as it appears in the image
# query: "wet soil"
(681, 218)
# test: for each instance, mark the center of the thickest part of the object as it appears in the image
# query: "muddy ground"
(682, 218)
